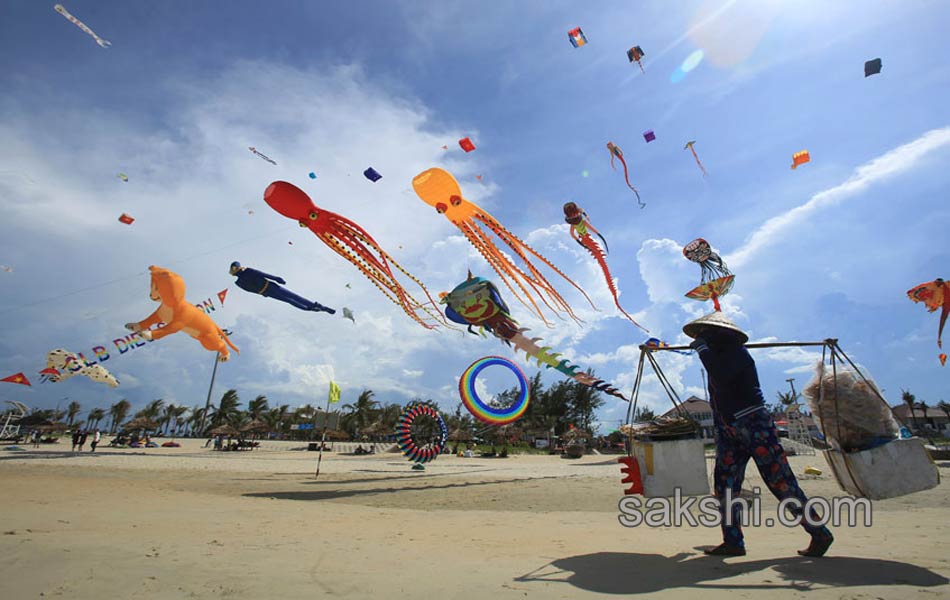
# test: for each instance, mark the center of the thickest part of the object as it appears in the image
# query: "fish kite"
(269, 286)
(934, 294)
(649, 136)
(353, 243)
(800, 158)
(348, 314)
(466, 144)
(176, 314)
(872, 67)
(581, 229)
(62, 10)
(268, 159)
(123, 177)
(618, 153)
(372, 175)
(635, 54)
(62, 364)
(477, 302)
(716, 279)
(440, 190)
(689, 145)
(577, 37)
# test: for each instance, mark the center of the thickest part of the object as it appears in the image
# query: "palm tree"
(363, 410)
(257, 407)
(72, 410)
(118, 412)
(195, 420)
(95, 415)
(227, 410)
(180, 419)
(152, 410)
(168, 414)
(909, 399)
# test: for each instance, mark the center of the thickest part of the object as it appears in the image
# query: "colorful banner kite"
(62, 10)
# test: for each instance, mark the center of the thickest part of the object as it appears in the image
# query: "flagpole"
(323, 438)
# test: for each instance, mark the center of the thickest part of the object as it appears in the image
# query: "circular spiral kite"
(408, 446)
(487, 413)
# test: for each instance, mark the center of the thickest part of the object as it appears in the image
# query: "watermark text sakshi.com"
(696, 511)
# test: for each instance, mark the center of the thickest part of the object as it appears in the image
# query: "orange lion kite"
(178, 315)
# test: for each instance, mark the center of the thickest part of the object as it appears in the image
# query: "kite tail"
(943, 321)
(550, 360)
(626, 178)
(598, 254)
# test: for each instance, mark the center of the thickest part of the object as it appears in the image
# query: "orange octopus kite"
(440, 190)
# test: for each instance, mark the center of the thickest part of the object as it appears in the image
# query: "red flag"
(221, 295)
(17, 378)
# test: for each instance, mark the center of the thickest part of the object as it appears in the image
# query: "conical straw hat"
(714, 319)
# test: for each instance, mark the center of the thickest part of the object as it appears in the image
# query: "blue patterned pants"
(754, 436)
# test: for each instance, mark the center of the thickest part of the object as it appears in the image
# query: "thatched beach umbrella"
(256, 426)
(226, 430)
(335, 435)
(140, 423)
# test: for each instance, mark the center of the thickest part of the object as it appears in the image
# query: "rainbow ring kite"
(408, 446)
(484, 412)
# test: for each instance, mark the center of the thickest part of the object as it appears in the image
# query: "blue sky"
(827, 250)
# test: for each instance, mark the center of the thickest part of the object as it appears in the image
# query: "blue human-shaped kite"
(258, 282)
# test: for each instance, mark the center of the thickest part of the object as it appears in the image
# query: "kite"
(716, 279)
(581, 229)
(348, 314)
(127, 219)
(221, 295)
(267, 158)
(177, 314)
(425, 451)
(62, 364)
(649, 136)
(6, 269)
(618, 153)
(313, 175)
(476, 302)
(577, 37)
(123, 177)
(872, 67)
(440, 190)
(689, 145)
(654, 344)
(800, 158)
(372, 175)
(934, 294)
(487, 413)
(635, 54)
(62, 10)
(269, 286)
(353, 243)
(17, 378)
(466, 144)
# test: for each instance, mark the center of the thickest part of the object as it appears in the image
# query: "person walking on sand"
(83, 434)
(76, 435)
(36, 438)
(744, 430)
(95, 440)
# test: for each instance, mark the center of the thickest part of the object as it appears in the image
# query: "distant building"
(699, 410)
(924, 419)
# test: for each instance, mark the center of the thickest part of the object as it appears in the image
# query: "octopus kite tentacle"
(439, 189)
(616, 151)
(580, 232)
(476, 302)
(352, 242)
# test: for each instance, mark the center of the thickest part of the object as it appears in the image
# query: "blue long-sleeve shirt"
(734, 388)
(253, 280)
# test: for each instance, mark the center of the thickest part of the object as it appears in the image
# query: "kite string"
(140, 274)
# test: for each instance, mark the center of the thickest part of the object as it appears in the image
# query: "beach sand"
(192, 523)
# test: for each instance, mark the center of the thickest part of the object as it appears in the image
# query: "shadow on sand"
(334, 494)
(632, 573)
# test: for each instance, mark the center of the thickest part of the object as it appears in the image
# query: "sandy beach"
(192, 523)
